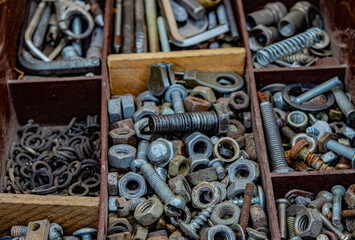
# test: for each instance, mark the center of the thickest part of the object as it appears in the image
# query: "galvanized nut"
(149, 212)
(198, 162)
(308, 223)
(220, 230)
(243, 170)
(225, 213)
(197, 143)
(112, 183)
(145, 112)
(120, 156)
(132, 186)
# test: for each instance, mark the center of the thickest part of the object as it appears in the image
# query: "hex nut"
(128, 106)
(120, 156)
(161, 151)
(112, 206)
(205, 93)
(237, 188)
(223, 118)
(132, 186)
(146, 96)
(225, 213)
(185, 217)
(119, 222)
(197, 143)
(279, 101)
(125, 123)
(222, 190)
(180, 187)
(145, 112)
(349, 196)
(179, 165)
(114, 110)
(243, 170)
(149, 212)
(250, 148)
(123, 136)
(220, 230)
(308, 223)
(238, 101)
(194, 104)
(322, 142)
(112, 183)
(142, 129)
(200, 190)
(141, 233)
(198, 162)
(236, 129)
(228, 143)
(207, 174)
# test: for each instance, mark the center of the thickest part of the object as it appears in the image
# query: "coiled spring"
(289, 46)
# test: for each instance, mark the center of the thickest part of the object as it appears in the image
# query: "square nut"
(204, 175)
(112, 183)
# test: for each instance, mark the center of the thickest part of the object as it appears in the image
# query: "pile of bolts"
(142, 26)
(311, 123)
(288, 39)
(304, 215)
(43, 229)
(183, 162)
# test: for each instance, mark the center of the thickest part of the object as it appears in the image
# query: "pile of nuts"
(310, 122)
(288, 39)
(302, 215)
(55, 160)
(178, 168)
(43, 229)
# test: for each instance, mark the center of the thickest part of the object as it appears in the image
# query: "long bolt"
(338, 193)
(151, 15)
(342, 150)
(191, 228)
(128, 27)
(318, 90)
(141, 36)
(344, 103)
(332, 228)
(163, 35)
(245, 212)
(282, 205)
(273, 138)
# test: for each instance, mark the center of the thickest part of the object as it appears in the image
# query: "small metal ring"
(78, 184)
(41, 171)
(231, 142)
(66, 183)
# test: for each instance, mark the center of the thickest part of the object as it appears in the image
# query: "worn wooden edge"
(57, 79)
(71, 212)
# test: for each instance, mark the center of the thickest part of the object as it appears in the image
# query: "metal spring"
(298, 57)
(289, 46)
(291, 226)
(316, 163)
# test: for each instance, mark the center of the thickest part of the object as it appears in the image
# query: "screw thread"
(133, 203)
(287, 132)
(262, 97)
(313, 161)
(184, 122)
(156, 182)
(18, 231)
(201, 218)
(177, 102)
(313, 131)
(272, 135)
(291, 226)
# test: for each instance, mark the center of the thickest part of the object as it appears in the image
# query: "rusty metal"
(38, 230)
(128, 27)
(245, 212)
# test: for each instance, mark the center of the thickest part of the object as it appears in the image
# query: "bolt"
(218, 165)
(318, 90)
(77, 30)
(273, 137)
(342, 150)
(287, 132)
(299, 150)
(191, 228)
(322, 198)
(260, 199)
(338, 192)
(18, 231)
(217, 121)
(331, 227)
(349, 213)
(269, 15)
(291, 226)
(176, 95)
(173, 204)
(313, 131)
(282, 205)
(85, 233)
(344, 103)
(124, 206)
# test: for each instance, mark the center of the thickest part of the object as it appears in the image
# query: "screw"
(173, 204)
(318, 90)
(124, 206)
(300, 150)
(191, 228)
(218, 165)
(342, 150)
(291, 226)
(217, 120)
(282, 205)
(18, 231)
(331, 227)
(176, 95)
(85, 233)
(338, 192)
(287, 132)
(273, 138)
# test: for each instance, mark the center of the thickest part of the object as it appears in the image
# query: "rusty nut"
(198, 195)
(179, 165)
(198, 162)
(123, 136)
(180, 187)
(149, 212)
(239, 101)
(350, 196)
(194, 104)
(205, 93)
(225, 213)
(126, 123)
(236, 129)
(207, 174)
(243, 170)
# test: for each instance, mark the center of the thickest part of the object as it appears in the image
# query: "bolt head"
(283, 201)
(84, 231)
(338, 189)
(161, 152)
(189, 232)
(175, 206)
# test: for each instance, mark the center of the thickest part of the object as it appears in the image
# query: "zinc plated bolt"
(124, 206)
(18, 231)
(196, 223)
(332, 228)
(218, 165)
(342, 150)
(338, 193)
(344, 103)
(318, 90)
(85, 233)
(176, 95)
(273, 137)
(282, 205)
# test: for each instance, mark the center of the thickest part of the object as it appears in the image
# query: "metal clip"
(161, 77)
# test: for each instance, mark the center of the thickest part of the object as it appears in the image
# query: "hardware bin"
(336, 15)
